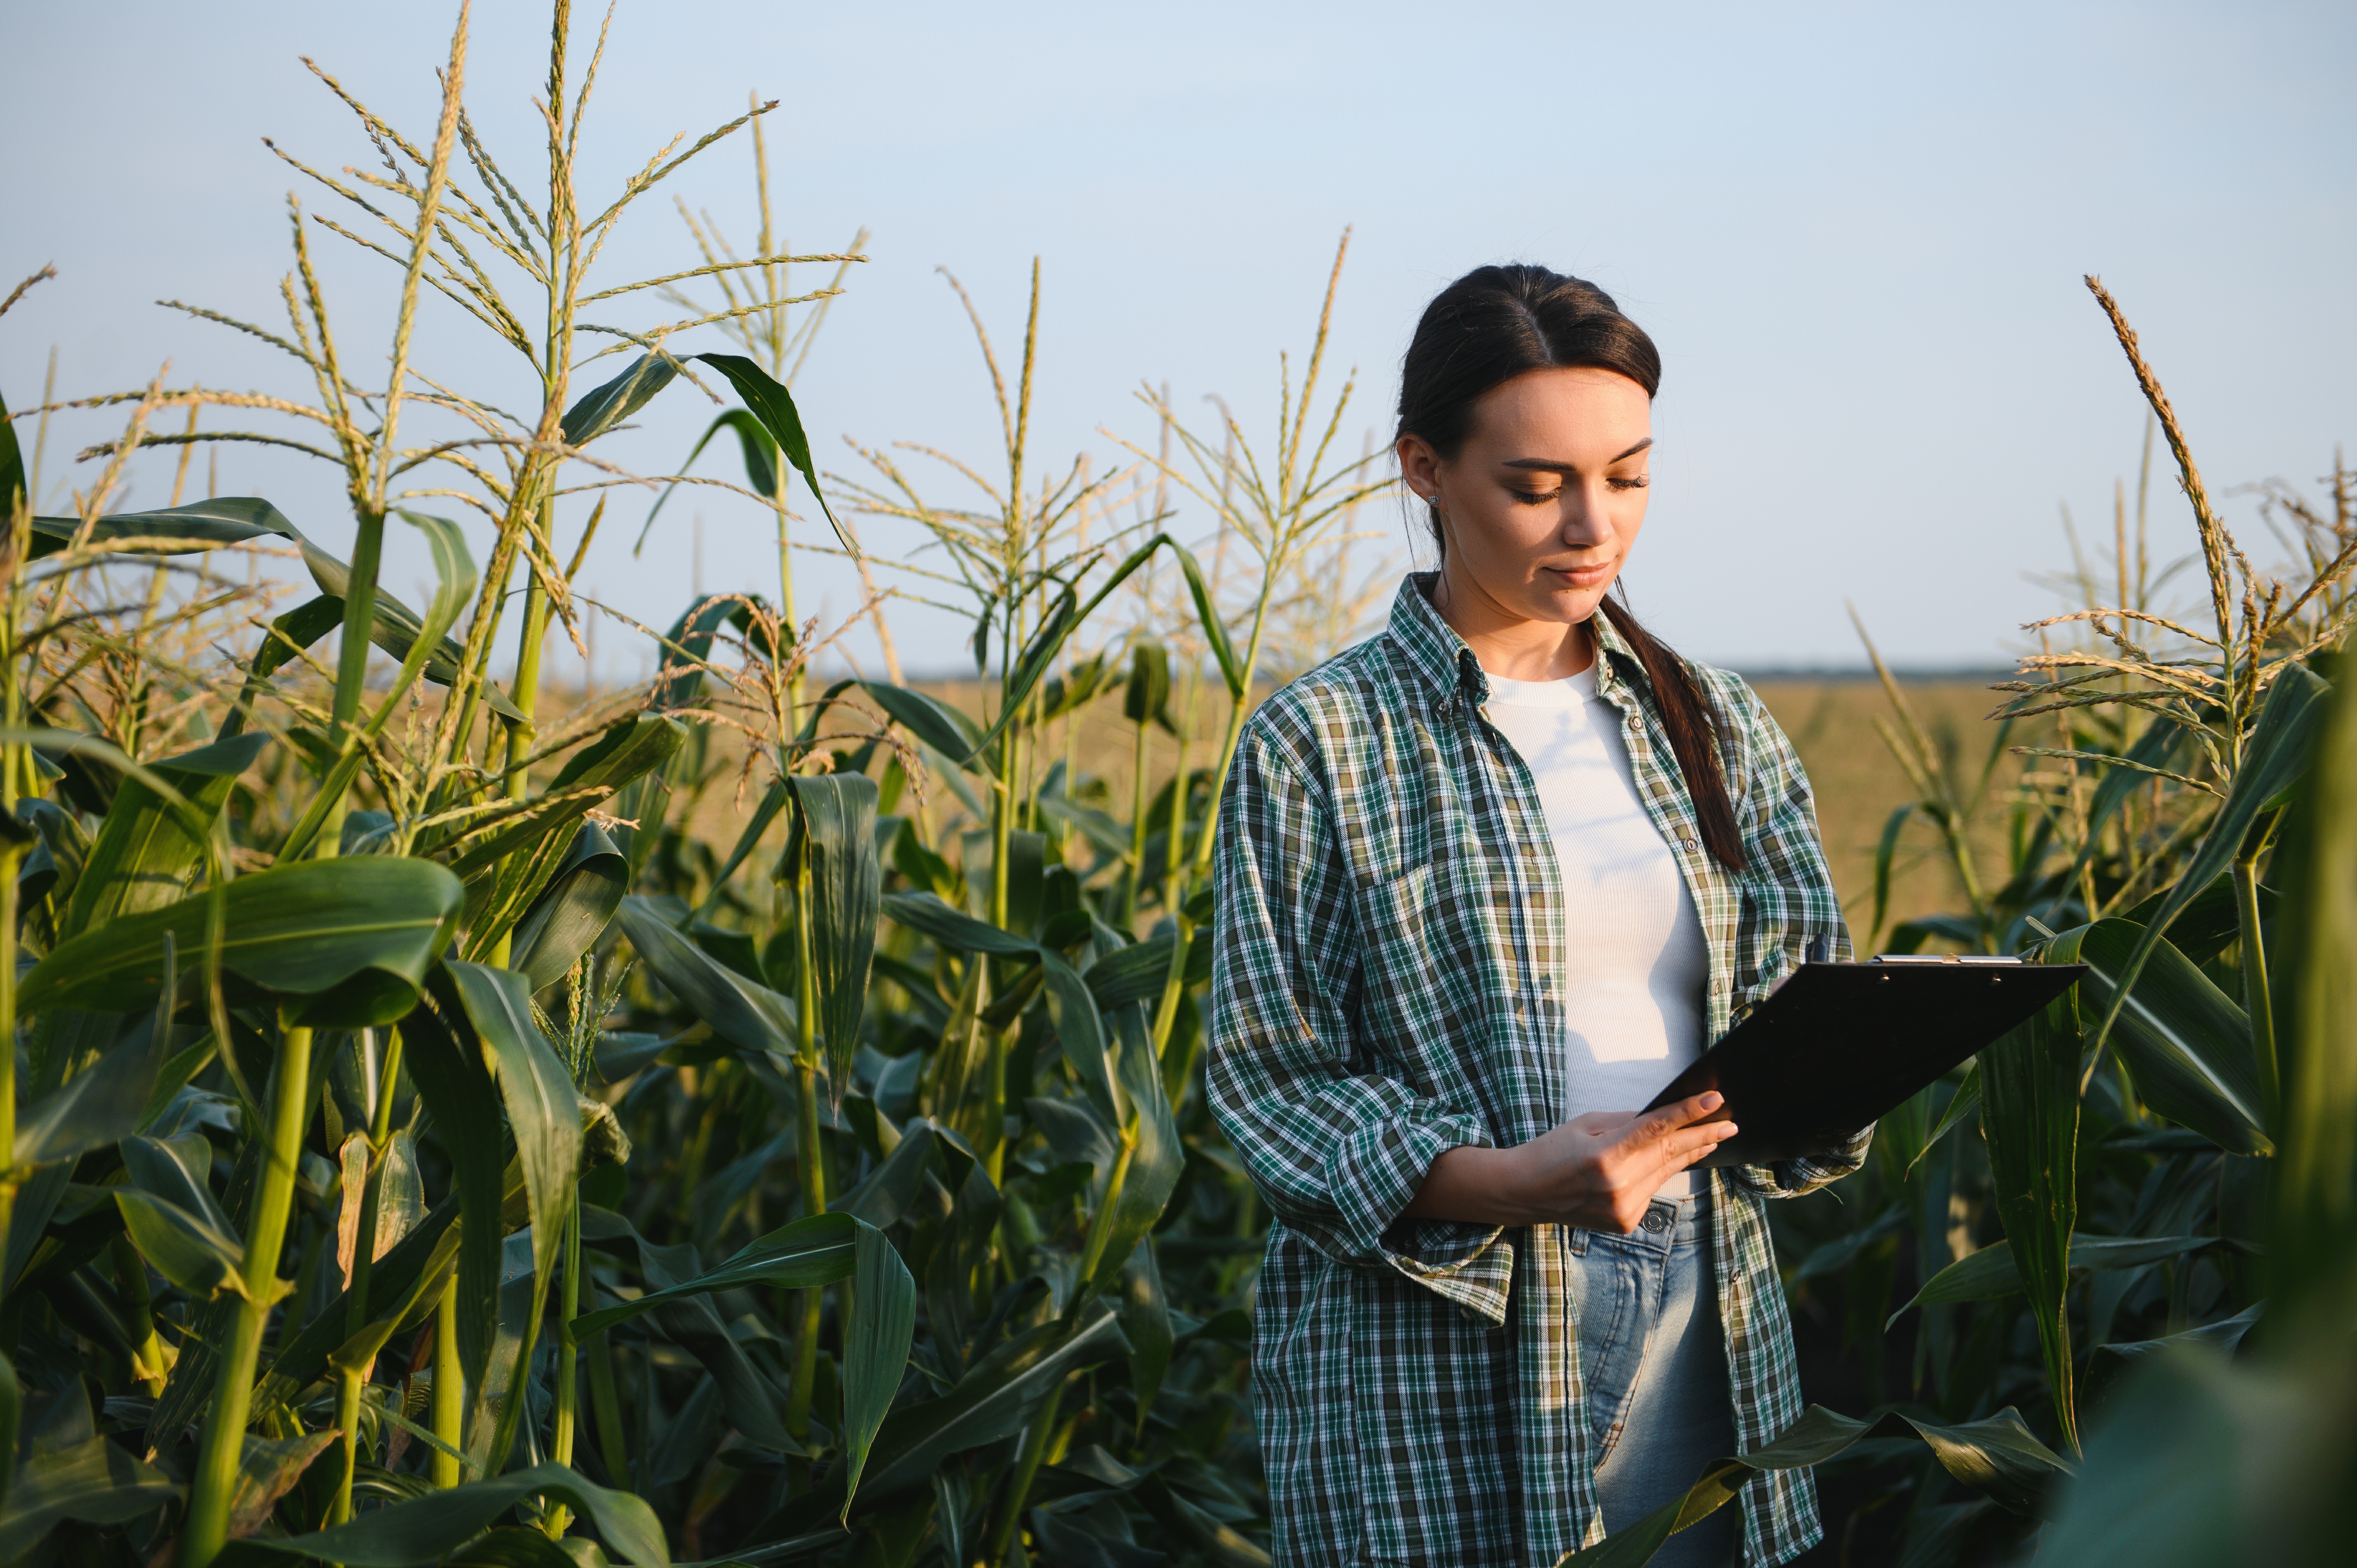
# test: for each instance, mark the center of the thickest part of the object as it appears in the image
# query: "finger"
(1677, 1115)
(1692, 1143)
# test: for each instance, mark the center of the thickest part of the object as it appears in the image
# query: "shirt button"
(1685, 844)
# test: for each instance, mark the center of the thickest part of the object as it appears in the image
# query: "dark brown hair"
(1492, 325)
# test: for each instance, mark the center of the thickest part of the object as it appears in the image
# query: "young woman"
(1485, 883)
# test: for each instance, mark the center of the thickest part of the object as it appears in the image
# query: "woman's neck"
(1510, 644)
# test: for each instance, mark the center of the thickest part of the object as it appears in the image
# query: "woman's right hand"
(1597, 1172)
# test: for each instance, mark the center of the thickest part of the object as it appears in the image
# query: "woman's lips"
(1581, 576)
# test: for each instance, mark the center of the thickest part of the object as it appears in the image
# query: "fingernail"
(1713, 1100)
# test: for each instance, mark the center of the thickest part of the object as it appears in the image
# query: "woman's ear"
(1419, 467)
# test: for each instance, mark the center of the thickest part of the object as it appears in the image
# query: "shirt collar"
(1438, 654)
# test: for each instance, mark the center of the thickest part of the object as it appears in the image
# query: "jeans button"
(1656, 1221)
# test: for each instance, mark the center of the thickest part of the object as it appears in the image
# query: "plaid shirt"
(1390, 950)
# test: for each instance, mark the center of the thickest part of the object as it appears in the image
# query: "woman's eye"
(1637, 482)
(1535, 497)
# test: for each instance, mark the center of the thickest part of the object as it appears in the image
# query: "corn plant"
(2114, 1211)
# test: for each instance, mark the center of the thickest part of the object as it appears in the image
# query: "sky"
(1857, 231)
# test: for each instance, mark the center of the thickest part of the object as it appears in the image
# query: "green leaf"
(456, 1084)
(2186, 1044)
(346, 942)
(995, 1400)
(429, 1528)
(1997, 1455)
(176, 1170)
(1885, 849)
(2221, 1337)
(875, 1348)
(1992, 1272)
(267, 1470)
(773, 405)
(1048, 642)
(544, 1111)
(1078, 1027)
(184, 1248)
(2197, 1461)
(1962, 1103)
(598, 411)
(934, 723)
(405, 1284)
(2275, 757)
(2312, 1233)
(12, 495)
(760, 462)
(846, 888)
(397, 627)
(98, 1106)
(11, 1393)
(815, 1250)
(521, 853)
(678, 681)
(96, 1482)
(1145, 1324)
(2029, 1121)
(1154, 1162)
(1210, 623)
(573, 910)
(1149, 687)
(746, 1015)
(1138, 973)
(173, 530)
(144, 855)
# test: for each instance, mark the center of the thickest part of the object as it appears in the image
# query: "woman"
(1485, 883)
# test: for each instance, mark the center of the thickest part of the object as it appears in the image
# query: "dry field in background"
(1831, 722)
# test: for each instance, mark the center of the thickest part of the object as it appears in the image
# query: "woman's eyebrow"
(1554, 467)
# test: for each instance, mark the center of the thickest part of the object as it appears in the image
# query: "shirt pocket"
(1426, 963)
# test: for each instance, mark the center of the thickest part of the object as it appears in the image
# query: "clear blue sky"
(1857, 231)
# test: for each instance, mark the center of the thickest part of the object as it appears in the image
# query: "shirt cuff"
(1377, 1172)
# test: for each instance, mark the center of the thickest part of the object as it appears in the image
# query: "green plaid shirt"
(1389, 953)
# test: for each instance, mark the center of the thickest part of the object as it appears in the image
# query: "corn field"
(421, 1143)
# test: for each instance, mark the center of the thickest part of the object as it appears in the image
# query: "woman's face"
(1541, 504)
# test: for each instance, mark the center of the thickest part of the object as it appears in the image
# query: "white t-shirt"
(1637, 964)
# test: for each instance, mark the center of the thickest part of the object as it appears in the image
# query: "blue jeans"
(1653, 1357)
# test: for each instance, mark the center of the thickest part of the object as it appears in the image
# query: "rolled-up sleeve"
(1337, 1153)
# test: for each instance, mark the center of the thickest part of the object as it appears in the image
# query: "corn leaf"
(456, 1084)
(739, 1011)
(601, 409)
(2273, 761)
(995, 1400)
(773, 405)
(573, 910)
(875, 1348)
(2186, 1044)
(544, 1111)
(846, 888)
(424, 1530)
(346, 943)
(815, 1250)
(143, 854)
(96, 1482)
(97, 1106)
(1078, 1027)
(2029, 1121)
(173, 530)
(1994, 1272)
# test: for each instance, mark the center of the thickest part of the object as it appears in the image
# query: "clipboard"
(1836, 1045)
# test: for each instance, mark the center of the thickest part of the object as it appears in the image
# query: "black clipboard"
(1836, 1045)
